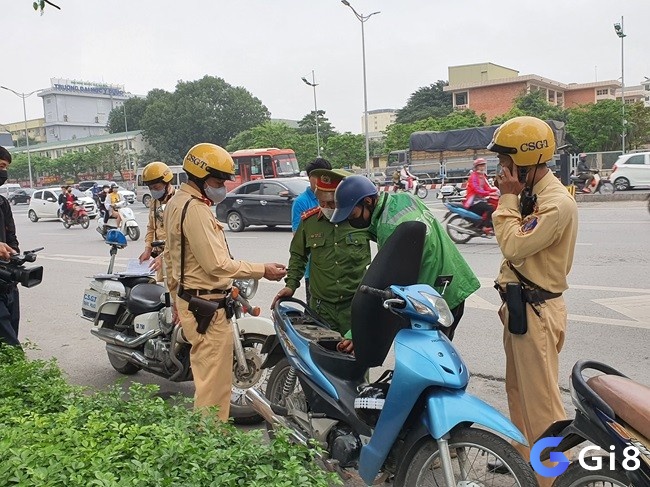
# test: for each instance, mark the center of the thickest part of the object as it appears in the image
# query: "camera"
(13, 271)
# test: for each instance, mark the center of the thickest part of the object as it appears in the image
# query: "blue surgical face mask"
(216, 195)
(158, 194)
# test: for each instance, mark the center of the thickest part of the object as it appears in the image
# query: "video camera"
(12, 271)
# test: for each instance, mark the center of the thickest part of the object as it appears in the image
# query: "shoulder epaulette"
(308, 213)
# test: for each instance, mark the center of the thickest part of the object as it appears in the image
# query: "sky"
(266, 46)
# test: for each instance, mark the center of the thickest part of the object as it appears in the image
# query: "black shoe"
(497, 466)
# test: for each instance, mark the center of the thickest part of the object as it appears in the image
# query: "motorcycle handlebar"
(246, 305)
(383, 294)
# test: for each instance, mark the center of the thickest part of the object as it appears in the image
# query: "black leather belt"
(533, 296)
(187, 294)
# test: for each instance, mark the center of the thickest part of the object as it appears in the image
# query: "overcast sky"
(266, 46)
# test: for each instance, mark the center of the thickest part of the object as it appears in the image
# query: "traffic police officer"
(536, 224)
(339, 254)
(203, 267)
(158, 177)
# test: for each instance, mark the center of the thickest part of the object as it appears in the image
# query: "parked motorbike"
(418, 188)
(416, 425)
(597, 185)
(132, 314)
(463, 225)
(452, 194)
(79, 217)
(128, 225)
(612, 414)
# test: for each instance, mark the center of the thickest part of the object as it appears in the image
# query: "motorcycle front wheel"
(423, 192)
(133, 232)
(473, 452)
(576, 476)
(240, 409)
(606, 188)
(85, 222)
(457, 236)
(66, 224)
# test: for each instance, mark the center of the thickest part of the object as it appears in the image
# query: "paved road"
(608, 302)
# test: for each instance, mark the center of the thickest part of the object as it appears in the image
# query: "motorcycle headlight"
(247, 287)
(419, 307)
(445, 318)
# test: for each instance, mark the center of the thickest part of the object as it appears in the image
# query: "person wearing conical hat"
(339, 254)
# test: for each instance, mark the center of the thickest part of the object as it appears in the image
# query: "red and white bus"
(263, 163)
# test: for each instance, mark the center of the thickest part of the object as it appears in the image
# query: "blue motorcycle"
(462, 224)
(416, 425)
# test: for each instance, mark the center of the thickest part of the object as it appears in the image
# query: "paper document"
(135, 268)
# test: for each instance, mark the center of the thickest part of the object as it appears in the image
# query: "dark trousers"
(485, 210)
(458, 314)
(9, 317)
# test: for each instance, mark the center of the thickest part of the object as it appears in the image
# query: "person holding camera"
(536, 225)
(9, 302)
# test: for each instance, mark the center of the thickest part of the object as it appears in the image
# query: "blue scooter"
(462, 224)
(415, 425)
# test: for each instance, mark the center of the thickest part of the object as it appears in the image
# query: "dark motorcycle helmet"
(349, 193)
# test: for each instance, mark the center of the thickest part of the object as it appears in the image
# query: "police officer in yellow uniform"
(203, 268)
(536, 224)
(339, 253)
(158, 177)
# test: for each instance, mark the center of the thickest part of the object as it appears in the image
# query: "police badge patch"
(528, 225)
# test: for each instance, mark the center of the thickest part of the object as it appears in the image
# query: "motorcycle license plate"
(90, 300)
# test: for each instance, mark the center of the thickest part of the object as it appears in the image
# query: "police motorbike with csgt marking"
(415, 425)
(612, 416)
(133, 315)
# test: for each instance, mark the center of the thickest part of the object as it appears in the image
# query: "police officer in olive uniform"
(202, 267)
(536, 225)
(339, 253)
(158, 177)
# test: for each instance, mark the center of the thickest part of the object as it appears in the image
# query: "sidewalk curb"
(623, 196)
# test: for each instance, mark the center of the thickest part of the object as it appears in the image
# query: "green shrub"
(52, 434)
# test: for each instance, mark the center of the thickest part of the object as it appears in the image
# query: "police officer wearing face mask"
(202, 267)
(9, 302)
(158, 177)
(339, 254)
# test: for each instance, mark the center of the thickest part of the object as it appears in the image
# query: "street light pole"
(314, 85)
(618, 28)
(29, 159)
(363, 19)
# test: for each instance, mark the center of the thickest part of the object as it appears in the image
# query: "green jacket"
(440, 257)
(339, 253)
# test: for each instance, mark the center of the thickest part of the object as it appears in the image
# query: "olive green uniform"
(540, 246)
(340, 255)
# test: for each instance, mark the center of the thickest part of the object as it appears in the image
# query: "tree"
(426, 102)
(595, 127)
(206, 110)
(135, 108)
(638, 125)
(533, 104)
(346, 150)
(308, 126)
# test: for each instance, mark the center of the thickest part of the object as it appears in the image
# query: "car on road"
(45, 204)
(86, 187)
(20, 196)
(260, 202)
(631, 170)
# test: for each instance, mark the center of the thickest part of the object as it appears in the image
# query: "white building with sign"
(79, 109)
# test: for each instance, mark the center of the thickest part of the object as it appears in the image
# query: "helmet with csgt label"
(156, 172)
(205, 160)
(528, 140)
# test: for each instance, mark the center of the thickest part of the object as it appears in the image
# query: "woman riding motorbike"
(478, 190)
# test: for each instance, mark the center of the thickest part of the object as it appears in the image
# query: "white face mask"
(216, 195)
(327, 212)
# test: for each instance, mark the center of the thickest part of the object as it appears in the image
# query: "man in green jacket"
(358, 202)
(339, 254)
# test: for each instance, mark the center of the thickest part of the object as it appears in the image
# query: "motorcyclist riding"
(584, 172)
(112, 199)
(478, 189)
(406, 178)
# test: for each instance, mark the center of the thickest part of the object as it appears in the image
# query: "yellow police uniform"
(540, 247)
(156, 228)
(208, 270)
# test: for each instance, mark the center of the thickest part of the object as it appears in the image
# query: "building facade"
(78, 109)
(378, 121)
(35, 131)
(491, 89)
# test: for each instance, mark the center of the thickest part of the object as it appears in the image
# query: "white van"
(142, 190)
(8, 188)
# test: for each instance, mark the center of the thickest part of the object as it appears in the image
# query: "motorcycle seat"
(341, 365)
(628, 399)
(145, 298)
